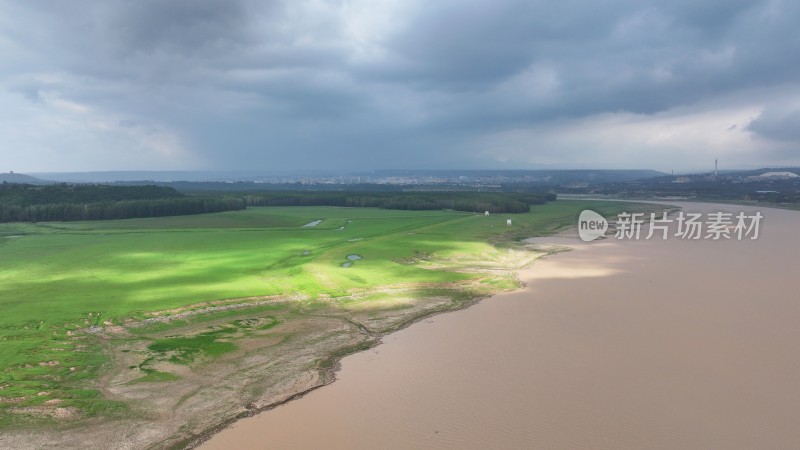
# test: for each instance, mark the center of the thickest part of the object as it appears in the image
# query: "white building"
(778, 175)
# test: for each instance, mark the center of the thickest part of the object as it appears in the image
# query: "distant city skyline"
(398, 84)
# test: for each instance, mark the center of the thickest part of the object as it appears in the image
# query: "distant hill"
(21, 178)
(162, 176)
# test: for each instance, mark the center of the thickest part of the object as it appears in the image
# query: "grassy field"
(58, 279)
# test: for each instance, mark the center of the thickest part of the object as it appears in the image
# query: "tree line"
(66, 202)
(72, 202)
(459, 201)
(27, 194)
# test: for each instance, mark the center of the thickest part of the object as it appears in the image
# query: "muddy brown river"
(645, 344)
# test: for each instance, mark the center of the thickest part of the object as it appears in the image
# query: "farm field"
(65, 286)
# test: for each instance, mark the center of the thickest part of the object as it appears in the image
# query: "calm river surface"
(615, 345)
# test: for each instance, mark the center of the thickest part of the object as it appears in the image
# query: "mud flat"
(645, 344)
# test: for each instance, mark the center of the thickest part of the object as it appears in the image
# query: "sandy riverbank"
(648, 344)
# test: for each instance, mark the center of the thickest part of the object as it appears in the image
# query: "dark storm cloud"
(178, 26)
(455, 47)
(410, 83)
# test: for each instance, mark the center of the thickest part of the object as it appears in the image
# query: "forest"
(72, 202)
(494, 202)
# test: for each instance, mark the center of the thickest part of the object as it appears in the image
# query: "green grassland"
(59, 279)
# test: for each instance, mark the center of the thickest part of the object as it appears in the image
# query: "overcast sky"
(407, 84)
